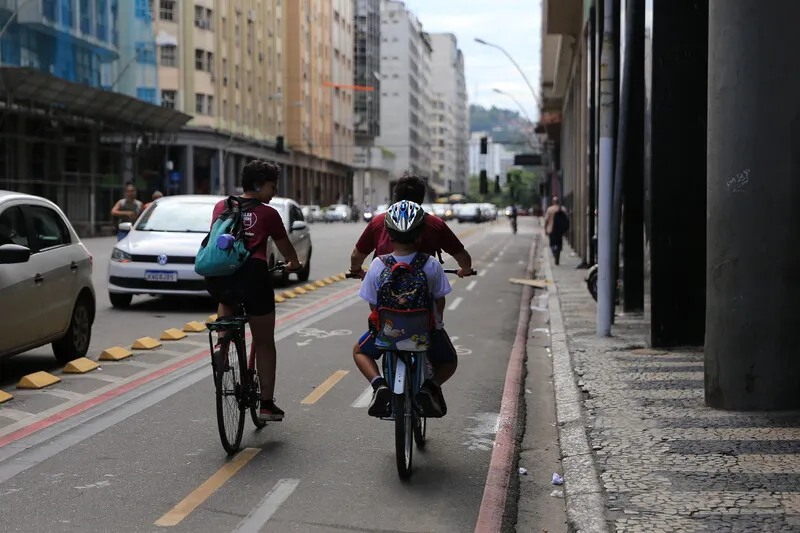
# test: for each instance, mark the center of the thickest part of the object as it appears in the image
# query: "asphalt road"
(133, 446)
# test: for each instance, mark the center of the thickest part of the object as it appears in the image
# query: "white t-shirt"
(438, 283)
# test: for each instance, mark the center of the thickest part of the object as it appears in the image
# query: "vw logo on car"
(162, 259)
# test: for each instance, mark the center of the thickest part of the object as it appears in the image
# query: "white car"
(158, 254)
(469, 213)
(338, 213)
(443, 211)
(312, 213)
(45, 279)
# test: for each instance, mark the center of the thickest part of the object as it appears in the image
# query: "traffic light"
(279, 144)
(484, 183)
(497, 184)
(508, 177)
(484, 145)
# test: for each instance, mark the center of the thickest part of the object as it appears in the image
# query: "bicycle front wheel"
(231, 400)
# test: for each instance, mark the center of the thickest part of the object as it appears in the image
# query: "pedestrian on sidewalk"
(556, 224)
(156, 196)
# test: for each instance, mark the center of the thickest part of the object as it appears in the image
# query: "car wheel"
(305, 272)
(119, 300)
(75, 343)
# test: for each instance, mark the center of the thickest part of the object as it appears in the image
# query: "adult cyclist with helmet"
(405, 224)
(436, 235)
(251, 285)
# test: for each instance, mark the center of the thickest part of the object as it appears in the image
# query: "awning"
(31, 85)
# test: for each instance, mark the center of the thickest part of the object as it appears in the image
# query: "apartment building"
(450, 128)
(244, 70)
(405, 94)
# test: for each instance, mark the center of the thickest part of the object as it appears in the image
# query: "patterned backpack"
(403, 288)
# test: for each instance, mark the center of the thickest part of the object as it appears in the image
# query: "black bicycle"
(405, 370)
(235, 380)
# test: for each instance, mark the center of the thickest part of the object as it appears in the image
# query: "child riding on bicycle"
(425, 282)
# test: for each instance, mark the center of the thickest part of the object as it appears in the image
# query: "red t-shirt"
(436, 236)
(260, 223)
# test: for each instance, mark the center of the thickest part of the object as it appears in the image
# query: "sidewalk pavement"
(640, 451)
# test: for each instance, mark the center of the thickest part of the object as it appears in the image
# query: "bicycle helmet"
(404, 217)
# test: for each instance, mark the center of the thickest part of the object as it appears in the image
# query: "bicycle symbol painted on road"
(460, 350)
(313, 333)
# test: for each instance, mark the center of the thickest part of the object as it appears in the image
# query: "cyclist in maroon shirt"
(436, 236)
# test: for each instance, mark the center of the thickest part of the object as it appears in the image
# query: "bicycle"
(246, 391)
(410, 422)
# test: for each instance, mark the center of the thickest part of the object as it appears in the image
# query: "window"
(169, 99)
(203, 18)
(169, 10)
(12, 227)
(295, 214)
(199, 59)
(210, 62)
(200, 103)
(142, 11)
(224, 29)
(145, 53)
(146, 94)
(169, 56)
(49, 229)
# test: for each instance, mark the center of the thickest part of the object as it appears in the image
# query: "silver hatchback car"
(45, 279)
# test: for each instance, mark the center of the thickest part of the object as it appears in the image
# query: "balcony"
(562, 22)
(57, 18)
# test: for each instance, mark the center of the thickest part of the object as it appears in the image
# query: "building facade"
(405, 96)
(450, 120)
(96, 61)
(499, 159)
(256, 77)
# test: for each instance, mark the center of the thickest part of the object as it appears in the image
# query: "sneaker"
(381, 404)
(270, 412)
(428, 400)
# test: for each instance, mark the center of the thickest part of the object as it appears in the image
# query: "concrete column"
(128, 171)
(232, 177)
(188, 168)
(753, 290)
(677, 176)
(94, 150)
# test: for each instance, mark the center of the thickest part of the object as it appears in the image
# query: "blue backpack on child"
(223, 250)
(403, 317)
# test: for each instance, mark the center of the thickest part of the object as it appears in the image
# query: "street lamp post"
(519, 69)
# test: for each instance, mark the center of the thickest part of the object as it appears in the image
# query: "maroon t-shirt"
(260, 223)
(436, 236)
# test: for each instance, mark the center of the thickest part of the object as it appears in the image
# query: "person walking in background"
(156, 196)
(556, 224)
(127, 209)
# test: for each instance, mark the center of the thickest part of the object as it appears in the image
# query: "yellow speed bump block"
(117, 353)
(279, 299)
(4, 396)
(310, 287)
(173, 334)
(288, 294)
(80, 366)
(145, 343)
(329, 280)
(212, 318)
(299, 290)
(194, 327)
(37, 380)
(320, 283)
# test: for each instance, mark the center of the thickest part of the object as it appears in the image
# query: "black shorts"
(250, 286)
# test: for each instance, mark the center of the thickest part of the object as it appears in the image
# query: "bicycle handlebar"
(278, 266)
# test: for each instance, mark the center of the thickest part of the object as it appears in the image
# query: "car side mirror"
(298, 225)
(13, 254)
(125, 226)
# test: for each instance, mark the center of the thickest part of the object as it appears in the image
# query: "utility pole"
(605, 260)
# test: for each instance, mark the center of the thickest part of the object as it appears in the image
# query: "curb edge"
(583, 492)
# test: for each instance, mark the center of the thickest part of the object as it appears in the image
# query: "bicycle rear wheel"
(403, 433)
(231, 400)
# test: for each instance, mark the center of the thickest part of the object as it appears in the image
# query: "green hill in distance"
(503, 125)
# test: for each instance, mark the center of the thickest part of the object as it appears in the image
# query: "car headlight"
(120, 256)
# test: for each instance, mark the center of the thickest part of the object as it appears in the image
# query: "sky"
(514, 25)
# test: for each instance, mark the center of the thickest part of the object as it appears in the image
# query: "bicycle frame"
(399, 368)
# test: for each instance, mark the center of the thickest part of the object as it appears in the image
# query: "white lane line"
(364, 399)
(471, 285)
(453, 306)
(490, 265)
(259, 516)
(481, 273)
(453, 338)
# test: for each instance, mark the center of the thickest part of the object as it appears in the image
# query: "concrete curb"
(494, 514)
(582, 488)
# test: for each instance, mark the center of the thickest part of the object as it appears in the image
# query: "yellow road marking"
(324, 387)
(175, 515)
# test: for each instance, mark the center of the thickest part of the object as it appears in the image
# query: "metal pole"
(605, 282)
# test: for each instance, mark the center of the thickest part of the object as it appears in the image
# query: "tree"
(522, 189)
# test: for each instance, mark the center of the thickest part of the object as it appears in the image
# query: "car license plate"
(157, 275)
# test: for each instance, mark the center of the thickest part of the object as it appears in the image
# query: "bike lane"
(328, 466)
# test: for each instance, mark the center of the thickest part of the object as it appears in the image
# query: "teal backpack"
(212, 260)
